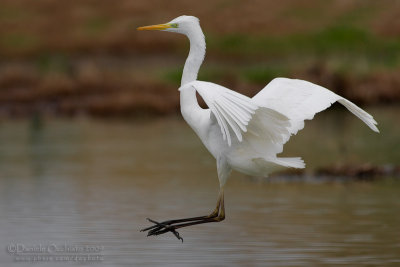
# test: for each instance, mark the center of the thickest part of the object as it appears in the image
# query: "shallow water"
(93, 182)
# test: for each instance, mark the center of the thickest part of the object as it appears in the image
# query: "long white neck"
(196, 55)
(191, 111)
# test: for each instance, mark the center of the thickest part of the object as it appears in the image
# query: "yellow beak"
(158, 27)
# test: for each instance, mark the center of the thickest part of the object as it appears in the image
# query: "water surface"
(93, 182)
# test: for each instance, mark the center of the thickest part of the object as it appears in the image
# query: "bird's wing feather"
(234, 112)
(300, 100)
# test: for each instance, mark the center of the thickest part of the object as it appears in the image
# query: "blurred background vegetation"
(85, 57)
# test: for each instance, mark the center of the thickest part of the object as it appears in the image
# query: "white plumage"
(301, 100)
(242, 133)
(232, 110)
(255, 129)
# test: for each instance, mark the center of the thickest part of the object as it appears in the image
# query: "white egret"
(243, 134)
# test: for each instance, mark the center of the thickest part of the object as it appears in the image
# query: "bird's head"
(181, 24)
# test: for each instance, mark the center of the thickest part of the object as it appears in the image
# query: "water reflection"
(95, 182)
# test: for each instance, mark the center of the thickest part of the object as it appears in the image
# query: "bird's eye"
(174, 25)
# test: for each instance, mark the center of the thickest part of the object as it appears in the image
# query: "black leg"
(172, 228)
(169, 222)
(171, 225)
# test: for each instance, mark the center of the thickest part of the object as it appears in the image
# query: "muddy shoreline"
(336, 173)
(98, 65)
(90, 89)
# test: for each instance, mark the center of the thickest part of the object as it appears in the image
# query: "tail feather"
(291, 162)
(266, 166)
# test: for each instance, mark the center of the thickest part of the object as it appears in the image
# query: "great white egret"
(243, 134)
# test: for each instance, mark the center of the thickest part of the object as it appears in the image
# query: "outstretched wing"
(300, 100)
(234, 111)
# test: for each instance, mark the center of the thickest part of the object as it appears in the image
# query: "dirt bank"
(69, 58)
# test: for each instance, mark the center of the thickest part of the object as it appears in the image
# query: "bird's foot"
(160, 225)
(161, 228)
(172, 225)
